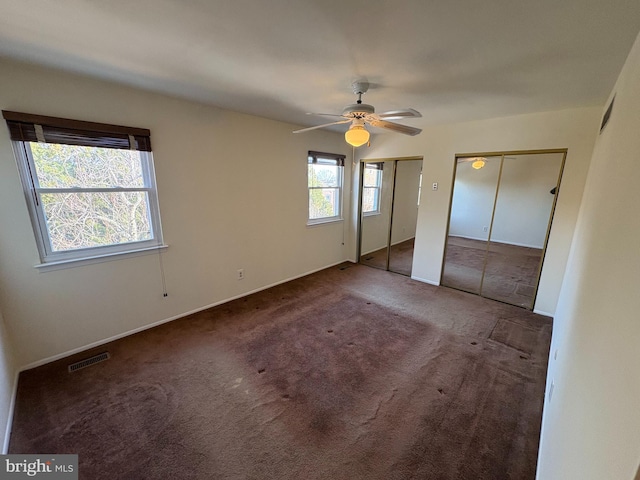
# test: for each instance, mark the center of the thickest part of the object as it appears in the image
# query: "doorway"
(388, 213)
(501, 210)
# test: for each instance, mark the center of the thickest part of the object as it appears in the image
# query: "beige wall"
(228, 200)
(571, 129)
(591, 425)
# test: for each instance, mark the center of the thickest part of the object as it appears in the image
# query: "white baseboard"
(73, 351)
(371, 251)
(499, 241)
(480, 239)
(537, 247)
(397, 242)
(424, 280)
(540, 312)
(385, 246)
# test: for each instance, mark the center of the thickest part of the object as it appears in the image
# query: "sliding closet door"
(500, 220)
(404, 216)
(389, 213)
(524, 205)
(474, 194)
(375, 222)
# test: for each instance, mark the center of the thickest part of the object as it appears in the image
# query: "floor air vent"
(87, 362)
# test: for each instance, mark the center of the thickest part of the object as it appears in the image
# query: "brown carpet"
(349, 373)
(511, 273)
(400, 260)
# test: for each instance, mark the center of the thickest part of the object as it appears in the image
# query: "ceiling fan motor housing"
(357, 110)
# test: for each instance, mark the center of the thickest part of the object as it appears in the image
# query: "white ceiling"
(453, 60)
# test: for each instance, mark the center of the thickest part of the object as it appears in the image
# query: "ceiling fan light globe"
(356, 136)
(478, 164)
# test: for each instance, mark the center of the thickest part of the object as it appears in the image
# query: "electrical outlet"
(434, 186)
(241, 274)
(485, 229)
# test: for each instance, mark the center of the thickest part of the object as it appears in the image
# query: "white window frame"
(33, 193)
(320, 158)
(378, 187)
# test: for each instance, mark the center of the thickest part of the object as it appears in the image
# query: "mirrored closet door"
(389, 213)
(501, 211)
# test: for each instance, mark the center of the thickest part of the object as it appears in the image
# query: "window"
(90, 188)
(372, 188)
(325, 187)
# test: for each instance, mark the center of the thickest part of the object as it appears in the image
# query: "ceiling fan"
(359, 114)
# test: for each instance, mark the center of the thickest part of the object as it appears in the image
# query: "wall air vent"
(87, 362)
(607, 115)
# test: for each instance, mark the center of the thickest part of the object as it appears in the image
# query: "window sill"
(371, 214)
(78, 262)
(324, 221)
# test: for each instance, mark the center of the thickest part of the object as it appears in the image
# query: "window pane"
(370, 199)
(324, 202)
(84, 220)
(68, 166)
(372, 177)
(324, 175)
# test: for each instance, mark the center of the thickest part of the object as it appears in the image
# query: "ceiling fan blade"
(398, 114)
(326, 114)
(321, 126)
(396, 127)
